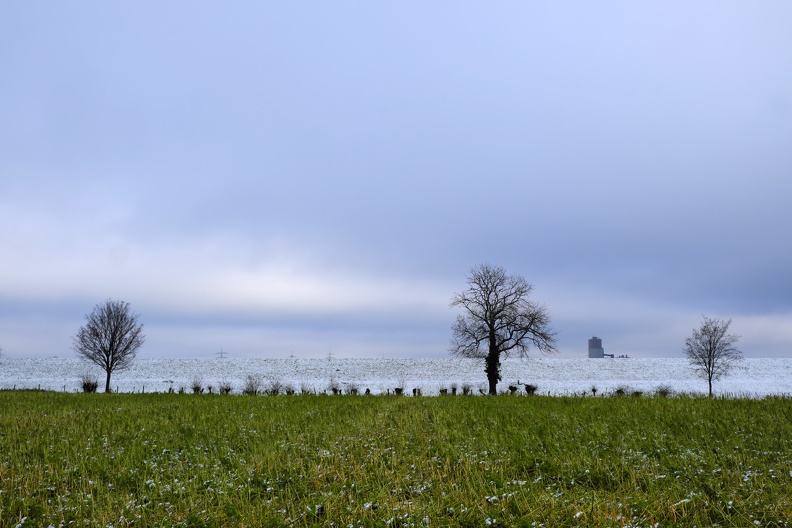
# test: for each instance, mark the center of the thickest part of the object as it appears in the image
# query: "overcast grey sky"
(285, 177)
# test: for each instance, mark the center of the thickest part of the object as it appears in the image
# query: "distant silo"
(595, 348)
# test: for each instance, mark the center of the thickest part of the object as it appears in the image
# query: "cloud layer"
(275, 180)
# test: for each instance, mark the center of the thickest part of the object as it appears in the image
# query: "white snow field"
(751, 378)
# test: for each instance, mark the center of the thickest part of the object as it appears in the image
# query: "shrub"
(530, 388)
(333, 386)
(197, 385)
(664, 391)
(305, 388)
(401, 383)
(225, 387)
(352, 389)
(467, 389)
(621, 390)
(89, 383)
(252, 385)
(274, 387)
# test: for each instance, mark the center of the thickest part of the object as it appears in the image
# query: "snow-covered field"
(753, 377)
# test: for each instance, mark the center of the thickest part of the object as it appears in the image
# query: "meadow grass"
(209, 460)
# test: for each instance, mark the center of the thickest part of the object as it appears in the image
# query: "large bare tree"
(498, 319)
(711, 350)
(110, 337)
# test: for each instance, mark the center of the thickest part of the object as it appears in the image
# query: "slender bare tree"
(711, 350)
(110, 338)
(498, 319)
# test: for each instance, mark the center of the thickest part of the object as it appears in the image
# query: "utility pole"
(221, 354)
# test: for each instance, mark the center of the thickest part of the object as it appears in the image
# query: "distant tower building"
(595, 348)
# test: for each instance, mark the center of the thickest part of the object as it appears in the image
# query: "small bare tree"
(711, 350)
(498, 320)
(110, 337)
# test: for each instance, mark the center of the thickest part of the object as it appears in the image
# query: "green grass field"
(185, 460)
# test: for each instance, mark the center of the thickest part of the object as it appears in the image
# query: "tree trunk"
(710, 386)
(107, 382)
(493, 386)
(493, 371)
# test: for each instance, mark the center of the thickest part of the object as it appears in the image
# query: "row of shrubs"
(258, 385)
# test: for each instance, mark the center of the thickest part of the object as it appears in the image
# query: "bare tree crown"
(497, 311)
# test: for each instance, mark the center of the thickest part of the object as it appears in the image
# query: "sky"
(314, 178)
